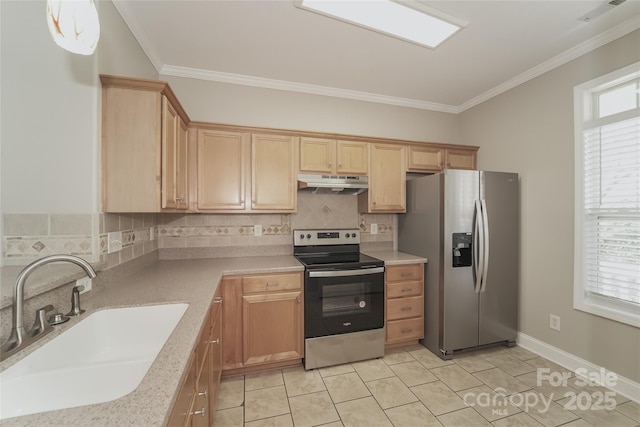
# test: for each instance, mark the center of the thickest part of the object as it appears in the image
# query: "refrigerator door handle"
(485, 249)
(478, 246)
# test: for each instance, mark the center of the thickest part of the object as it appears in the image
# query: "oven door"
(342, 301)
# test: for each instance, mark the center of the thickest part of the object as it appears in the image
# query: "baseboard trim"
(624, 386)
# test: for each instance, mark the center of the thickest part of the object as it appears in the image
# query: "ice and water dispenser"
(461, 246)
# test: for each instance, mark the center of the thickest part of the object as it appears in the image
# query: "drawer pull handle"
(271, 284)
(407, 289)
(406, 330)
(216, 341)
(406, 309)
(406, 274)
(204, 393)
(217, 300)
(201, 412)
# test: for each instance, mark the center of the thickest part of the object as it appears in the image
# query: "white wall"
(250, 106)
(529, 130)
(51, 109)
(49, 117)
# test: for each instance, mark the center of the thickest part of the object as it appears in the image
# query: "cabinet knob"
(201, 412)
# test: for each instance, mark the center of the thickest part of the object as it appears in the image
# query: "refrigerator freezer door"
(498, 310)
(459, 327)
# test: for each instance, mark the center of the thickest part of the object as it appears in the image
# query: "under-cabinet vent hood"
(332, 184)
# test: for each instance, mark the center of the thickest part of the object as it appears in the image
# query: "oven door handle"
(345, 273)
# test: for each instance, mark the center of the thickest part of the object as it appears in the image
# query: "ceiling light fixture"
(408, 20)
(74, 25)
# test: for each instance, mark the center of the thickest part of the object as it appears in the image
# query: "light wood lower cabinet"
(404, 306)
(264, 319)
(195, 405)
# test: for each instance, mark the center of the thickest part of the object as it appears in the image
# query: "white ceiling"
(273, 44)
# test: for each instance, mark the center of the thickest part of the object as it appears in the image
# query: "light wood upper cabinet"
(143, 147)
(273, 173)
(427, 158)
(387, 179)
(460, 159)
(329, 156)
(223, 168)
(240, 172)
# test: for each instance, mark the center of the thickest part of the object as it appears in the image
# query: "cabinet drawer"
(405, 330)
(402, 273)
(399, 290)
(271, 283)
(402, 308)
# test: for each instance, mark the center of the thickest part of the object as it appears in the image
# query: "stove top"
(331, 250)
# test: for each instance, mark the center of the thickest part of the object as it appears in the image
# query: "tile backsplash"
(31, 236)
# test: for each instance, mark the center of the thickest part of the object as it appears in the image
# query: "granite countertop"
(191, 281)
(395, 257)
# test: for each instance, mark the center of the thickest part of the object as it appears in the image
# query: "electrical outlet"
(114, 242)
(85, 282)
(374, 228)
(554, 322)
(151, 233)
(257, 230)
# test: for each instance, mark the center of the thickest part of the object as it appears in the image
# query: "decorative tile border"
(39, 246)
(365, 221)
(215, 230)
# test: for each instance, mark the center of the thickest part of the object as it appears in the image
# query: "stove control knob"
(346, 235)
(302, 236)
(308, 236)
(353, 234)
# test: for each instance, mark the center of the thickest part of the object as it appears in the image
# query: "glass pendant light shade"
(74, 25)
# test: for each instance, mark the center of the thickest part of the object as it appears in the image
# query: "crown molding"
(583, 48)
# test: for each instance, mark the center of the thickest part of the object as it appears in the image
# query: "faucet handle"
(40, 325)
(75, 302)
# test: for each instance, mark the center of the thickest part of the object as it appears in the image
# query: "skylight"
(407, 20)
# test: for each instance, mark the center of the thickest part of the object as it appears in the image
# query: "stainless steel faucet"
(18, 338)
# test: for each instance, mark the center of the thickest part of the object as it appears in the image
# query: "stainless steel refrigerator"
(466, 223)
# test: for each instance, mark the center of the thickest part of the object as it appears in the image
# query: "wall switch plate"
(85, 282)
(374, 228)
(554, 322)
(114, 242)
(257, 229)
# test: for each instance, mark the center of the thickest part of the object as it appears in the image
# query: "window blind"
(612, 210)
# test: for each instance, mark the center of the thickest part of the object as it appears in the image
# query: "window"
(607, 210)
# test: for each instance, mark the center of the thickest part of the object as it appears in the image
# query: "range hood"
(332, 184)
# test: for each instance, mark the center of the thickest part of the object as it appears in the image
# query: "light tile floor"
(411, 387)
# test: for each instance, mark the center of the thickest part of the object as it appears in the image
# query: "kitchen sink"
(103, 357)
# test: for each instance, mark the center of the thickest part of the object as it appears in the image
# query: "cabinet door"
(222, 170)
(169, 159)
(461, 159)
(232, 319)
(422, 159)
(273, 173)
(216, 354)
(317, 155)
(272, 327)
(387, 169)
(182, 167)
(352, 157)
